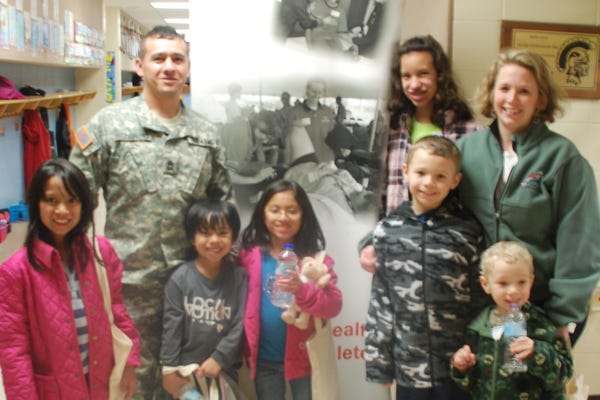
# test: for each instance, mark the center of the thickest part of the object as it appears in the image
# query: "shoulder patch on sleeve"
(83, 138)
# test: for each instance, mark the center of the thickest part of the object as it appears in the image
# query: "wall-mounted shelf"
(11, 108)
(23, 57)
(128, 91)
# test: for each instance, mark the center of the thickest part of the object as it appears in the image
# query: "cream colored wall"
(475, 42)
(427, 17)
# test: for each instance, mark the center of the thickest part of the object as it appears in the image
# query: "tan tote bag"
(122, 343)
(321, 352)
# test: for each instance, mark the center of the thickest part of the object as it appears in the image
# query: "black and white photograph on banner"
(292, 132)
(351, 28)
(315, 117)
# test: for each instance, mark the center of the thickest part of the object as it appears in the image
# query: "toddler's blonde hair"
(509, 252)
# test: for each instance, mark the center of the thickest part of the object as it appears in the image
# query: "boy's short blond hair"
(509, 252)
(437, 146)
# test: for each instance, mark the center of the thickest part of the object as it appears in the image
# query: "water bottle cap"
(514, 306)
(288, 246)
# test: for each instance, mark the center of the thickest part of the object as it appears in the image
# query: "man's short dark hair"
(161, 32)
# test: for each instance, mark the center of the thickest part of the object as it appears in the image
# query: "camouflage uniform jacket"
(150, 174)
(548, 369)
(425, 290)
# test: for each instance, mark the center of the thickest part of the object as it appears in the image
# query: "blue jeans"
(270, 382)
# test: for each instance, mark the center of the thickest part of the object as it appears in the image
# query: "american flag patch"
(83, 138)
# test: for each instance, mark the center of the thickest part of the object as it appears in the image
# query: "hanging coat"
(63, 132)
(36, 141)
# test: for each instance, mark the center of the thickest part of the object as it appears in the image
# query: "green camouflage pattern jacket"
(548, 369)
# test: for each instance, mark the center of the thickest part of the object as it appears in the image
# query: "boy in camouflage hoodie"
(425, 288)
(507, 275)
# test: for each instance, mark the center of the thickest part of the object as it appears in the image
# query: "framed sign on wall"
(571, 51)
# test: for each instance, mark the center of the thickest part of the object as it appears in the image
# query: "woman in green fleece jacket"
(527, 183)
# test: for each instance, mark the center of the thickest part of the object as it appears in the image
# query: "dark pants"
(449, 391)
(578, 331)
(270, 383)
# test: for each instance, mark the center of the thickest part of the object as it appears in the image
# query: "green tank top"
(420, 131)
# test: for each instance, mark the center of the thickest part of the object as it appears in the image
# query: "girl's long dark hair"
(77, 186)
(308, 240)
(448, 96)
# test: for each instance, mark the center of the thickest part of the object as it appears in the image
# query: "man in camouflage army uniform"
(152, 157)
(425, 289)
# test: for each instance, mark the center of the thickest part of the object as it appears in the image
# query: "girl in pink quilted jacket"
(276, 352)
(56, 341)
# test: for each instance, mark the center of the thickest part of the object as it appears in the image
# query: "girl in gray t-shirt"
(205, 299)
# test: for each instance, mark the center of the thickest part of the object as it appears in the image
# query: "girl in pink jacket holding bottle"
(276, 352)
(55, 340)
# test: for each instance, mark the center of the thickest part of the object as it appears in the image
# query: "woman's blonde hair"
(549, 90)
(509, 252)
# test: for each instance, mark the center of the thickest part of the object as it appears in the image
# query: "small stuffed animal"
(314, 271)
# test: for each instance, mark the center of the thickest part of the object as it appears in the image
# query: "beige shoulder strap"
(103, 282)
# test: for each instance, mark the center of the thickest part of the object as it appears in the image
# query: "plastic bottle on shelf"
(286, 261)
(515, 325)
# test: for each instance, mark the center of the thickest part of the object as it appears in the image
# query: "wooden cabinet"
(53, 33)
(68, 34)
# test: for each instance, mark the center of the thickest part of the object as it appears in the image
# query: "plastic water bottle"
(515, 325)
(286, 261)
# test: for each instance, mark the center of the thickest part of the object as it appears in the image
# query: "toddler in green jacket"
(507, 276)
